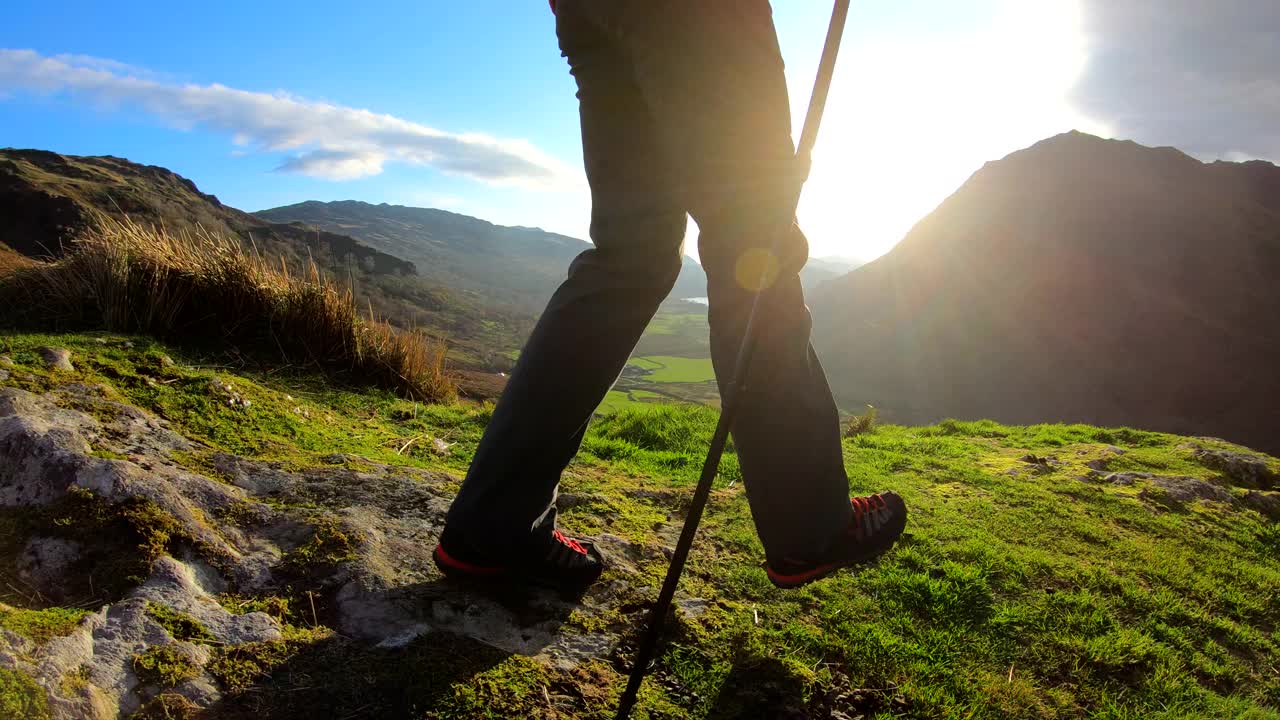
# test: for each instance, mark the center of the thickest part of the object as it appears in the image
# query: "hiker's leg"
(712, 72)
(592, 323)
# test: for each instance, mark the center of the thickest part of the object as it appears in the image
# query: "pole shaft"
(729, 408)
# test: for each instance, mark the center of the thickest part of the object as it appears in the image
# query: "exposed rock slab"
(385, 592)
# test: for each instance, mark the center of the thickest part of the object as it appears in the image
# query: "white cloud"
(335, 164)
(327, 140)
(1201, 76)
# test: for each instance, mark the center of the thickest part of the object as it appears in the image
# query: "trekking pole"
(729, 408)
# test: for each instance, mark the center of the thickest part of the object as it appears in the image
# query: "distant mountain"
(821, 269)
(1080, 279)
(47, 200)
(514, 266)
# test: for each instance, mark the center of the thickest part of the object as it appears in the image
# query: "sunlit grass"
(1022, 589)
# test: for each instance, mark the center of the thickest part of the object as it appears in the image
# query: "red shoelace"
(573, 544)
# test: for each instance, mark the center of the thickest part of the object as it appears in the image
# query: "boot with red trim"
(877, 522)
(554, 561)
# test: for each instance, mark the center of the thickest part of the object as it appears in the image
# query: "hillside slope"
(504, 265)
(1080, 280)
(179, 539)
(47, 201)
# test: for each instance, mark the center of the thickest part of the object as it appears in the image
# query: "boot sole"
(504, 576)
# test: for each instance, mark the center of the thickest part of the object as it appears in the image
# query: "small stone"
(1126, 478)
(693, 607)
(1186, 489)
(56, 358)
(1266, 503)
(128, 343)
(1247, 471)
(4, 375)
(6, 361)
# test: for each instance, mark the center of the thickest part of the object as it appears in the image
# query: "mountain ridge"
(48, 200)
(1079, 279)
(35, 184)
(502, 264)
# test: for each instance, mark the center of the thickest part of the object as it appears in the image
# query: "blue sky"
(468, 106)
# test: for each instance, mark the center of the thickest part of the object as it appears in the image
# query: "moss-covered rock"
(164, 665)
(21, 697)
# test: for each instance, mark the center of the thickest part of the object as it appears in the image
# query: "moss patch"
(74, 682)
(41, 625)
(238, 667)
(278, 607)
(180, 626)
(119, 543)
(167, 706)
(164, 665)
(330, 544)
(21, 697)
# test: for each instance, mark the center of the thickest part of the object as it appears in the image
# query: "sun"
(911, 117)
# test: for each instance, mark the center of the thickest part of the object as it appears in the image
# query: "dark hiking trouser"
(684, 109)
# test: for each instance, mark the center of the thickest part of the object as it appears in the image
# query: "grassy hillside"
(493, 265)
(48, 202)
(1032, 582)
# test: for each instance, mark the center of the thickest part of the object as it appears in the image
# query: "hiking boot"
(557, 561)
(877, 522)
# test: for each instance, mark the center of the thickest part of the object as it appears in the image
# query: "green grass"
(678, 323)
(670, 369)
(1020, 591)
(40, 625)
(622, 399)
(265, 414)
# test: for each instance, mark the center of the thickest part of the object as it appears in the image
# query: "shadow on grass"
(760, 687)
(766, 688)
(343, 677)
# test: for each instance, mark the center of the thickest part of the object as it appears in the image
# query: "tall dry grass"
(11, 260)
(207, 288)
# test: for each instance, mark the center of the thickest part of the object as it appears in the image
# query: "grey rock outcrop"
(239, 533)
(1244, 470)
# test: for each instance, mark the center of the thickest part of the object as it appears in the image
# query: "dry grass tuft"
(859, 424)
(208, 288)
(11, 260)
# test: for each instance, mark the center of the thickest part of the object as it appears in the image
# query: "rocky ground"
(228, 559)
(155, 568)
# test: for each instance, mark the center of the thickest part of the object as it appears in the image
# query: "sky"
(469, 106)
